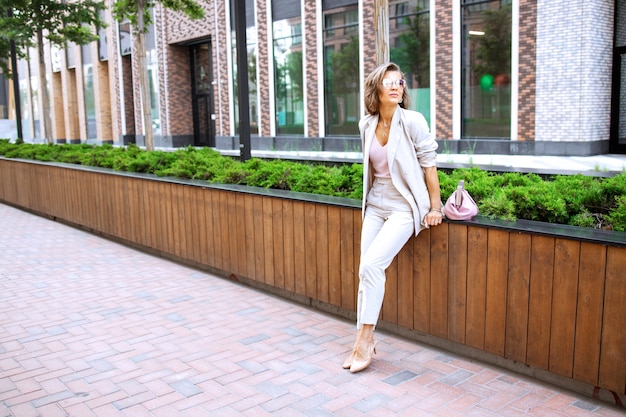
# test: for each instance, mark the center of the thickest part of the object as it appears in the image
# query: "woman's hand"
(433, 218)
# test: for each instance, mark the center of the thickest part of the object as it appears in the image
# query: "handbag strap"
(459, 193)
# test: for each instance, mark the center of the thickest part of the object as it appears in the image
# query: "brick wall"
(527, 69)
(263, 57)
(443, 72)
(369, 39)
(574, 68)
(102, 96)
(311, 70)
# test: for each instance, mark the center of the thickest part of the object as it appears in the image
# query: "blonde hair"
(373, 85)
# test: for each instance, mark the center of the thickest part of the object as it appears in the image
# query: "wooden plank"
(457, 282)
(202, 227)
(321, 253)
(235, 217)
(439, 280)
(288, 246)
(78, 207)
(259, 240)
(226, 230)
(186, 205)
(250, 231)
(497, 274)
(358, 224)
(238, 215)
(310, 237)
(279, 242)
(334, 255)
(268, 241)
(421, 282)
(540, 302)
(405, 285)
(199, 225)
(613, 348)
(564, 296)
(87, 190)
(51, 192)
(167, 221)
(151, 209)
(188, 236)
(178, 220)
(209, 232)
(589, 312)
(217, 229)
(476, 286)
(518, 289)
(133, 207)
(348, 271)
(299, 248)
(116, 199)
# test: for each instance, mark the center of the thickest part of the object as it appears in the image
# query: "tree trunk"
(381, 22)
(46, 128)
(143, 79)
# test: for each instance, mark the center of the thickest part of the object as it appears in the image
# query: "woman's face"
(391, 89)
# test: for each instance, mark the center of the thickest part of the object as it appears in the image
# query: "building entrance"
(202, 95)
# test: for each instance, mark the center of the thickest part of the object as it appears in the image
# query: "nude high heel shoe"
(361, 361)
(348, 362)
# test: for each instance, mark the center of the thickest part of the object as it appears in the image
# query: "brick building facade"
(563, 91)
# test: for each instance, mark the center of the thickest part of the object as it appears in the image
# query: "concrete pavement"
(92, 328)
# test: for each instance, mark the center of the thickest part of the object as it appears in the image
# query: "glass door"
(202, 95)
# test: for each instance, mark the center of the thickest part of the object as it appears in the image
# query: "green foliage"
(130, 9)
(59, 22)
(575, 199)
(617, 217)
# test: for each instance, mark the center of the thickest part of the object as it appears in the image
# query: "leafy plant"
(578, 200)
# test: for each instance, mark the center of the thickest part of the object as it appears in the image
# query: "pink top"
(378, 158)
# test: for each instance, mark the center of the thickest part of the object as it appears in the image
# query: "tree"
(28, 22)
(139, 13)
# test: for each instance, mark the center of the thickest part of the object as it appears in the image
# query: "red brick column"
(263, 65)
(311, 71)
(527, 69)
(369, 39)
(443, 72)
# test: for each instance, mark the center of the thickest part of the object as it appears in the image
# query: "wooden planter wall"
(555, 304)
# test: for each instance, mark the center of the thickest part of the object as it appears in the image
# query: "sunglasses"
(398, 83)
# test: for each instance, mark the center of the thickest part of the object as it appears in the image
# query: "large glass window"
(486, 69)
(25, 100)
(288, 81)
(341, 69)
(90, 102)
(409, 41)
(251, 43)
(153, 80)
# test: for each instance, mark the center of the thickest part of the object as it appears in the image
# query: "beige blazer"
(410, 148)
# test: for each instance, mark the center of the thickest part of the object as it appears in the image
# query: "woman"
(401, 194)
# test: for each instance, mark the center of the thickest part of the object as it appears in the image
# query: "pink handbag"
(460, 205)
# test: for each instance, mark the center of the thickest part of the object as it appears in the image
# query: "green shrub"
(575, 199)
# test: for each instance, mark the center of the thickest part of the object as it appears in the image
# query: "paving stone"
(93, 328)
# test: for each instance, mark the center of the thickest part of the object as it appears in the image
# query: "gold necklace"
(385, 132)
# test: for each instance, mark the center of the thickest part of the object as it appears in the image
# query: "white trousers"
(387, 226)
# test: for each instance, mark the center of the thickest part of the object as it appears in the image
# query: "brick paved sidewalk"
(91, 328)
